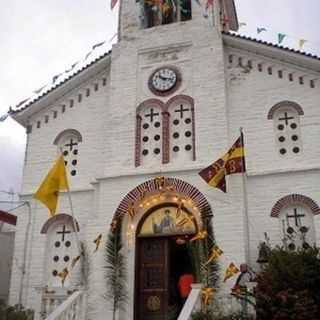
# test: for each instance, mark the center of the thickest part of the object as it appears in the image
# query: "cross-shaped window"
(286, 118)
(71, 144)
(152, 114)
(297, 217)
(63, 232)
(181, 110)
(286, 121)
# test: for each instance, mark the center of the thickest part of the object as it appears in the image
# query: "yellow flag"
(97, 241)
(216, 252)
(55, 181)
(200, 235)
(63, 275)
(74, 261)
(301, 43)
(230, 271)
(207, 295)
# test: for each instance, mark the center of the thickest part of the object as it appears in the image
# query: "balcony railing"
(71, 308)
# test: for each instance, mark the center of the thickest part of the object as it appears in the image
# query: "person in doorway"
(244, 277)
(184, 285)
(240, 287)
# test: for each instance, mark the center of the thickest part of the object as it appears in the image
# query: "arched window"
(181, 128)
(62, 269)
(154, 13)
(165, 132)
(296, 214)
(68, 141)
(286, 122)
(149, 132)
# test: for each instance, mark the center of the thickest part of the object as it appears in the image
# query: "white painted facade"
(6, 254)
(227, 95)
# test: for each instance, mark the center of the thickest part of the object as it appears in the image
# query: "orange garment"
(184, 284)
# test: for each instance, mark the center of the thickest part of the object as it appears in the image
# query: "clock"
(163, 81)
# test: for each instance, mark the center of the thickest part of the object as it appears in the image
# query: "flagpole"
(81, 253)
(119, 20)
(74, 223)
(72, 212)
(245, 204)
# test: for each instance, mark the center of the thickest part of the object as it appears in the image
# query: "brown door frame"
(138, 278)
(137, 253)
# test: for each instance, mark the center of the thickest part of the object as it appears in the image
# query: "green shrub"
(289, 287)
(14, 312)
(201, 315)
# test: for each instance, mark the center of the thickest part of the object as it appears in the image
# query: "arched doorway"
(161, 217)
(162, 257)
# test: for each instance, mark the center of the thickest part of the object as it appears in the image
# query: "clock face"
(163, 80)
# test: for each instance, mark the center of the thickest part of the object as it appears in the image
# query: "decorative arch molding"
(160, 184)
(294, 199)
(190, 101)
(180, 97)
(59, 218)
(149, 102)
(164, 106)
(282, 104)
(73, 132)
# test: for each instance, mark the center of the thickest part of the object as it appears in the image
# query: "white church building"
(136, 126)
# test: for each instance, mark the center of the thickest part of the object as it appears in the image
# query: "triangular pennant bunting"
(113, 3)
(98, 45)
(259, 30)
(4, 117)
(281, 37)
(302, 43)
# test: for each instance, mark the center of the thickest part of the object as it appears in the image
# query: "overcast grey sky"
(40, 38)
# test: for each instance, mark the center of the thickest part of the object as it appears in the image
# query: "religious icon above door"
(168, 220)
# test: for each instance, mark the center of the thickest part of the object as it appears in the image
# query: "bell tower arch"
(145, 14)
(164, 56)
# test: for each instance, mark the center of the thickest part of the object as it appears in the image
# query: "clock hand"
(165, 78)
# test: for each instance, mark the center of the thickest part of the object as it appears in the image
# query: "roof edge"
(23, 108)
(289, 55)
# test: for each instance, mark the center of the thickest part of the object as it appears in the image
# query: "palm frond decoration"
(206, 273)
(85, 264)
(116, 271)
(212, 272)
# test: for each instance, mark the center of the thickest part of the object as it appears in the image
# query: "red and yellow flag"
(63, 275)
(230, 271)
(97, 242)
(74, 261)
(202, 234)
(232, 162)
(216, 252)
(207, 295)
(55, 181)
(113, 3)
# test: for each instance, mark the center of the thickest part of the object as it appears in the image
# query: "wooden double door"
(153, 279)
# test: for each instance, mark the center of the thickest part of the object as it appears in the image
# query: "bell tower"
(144, 14)
(168, 83)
